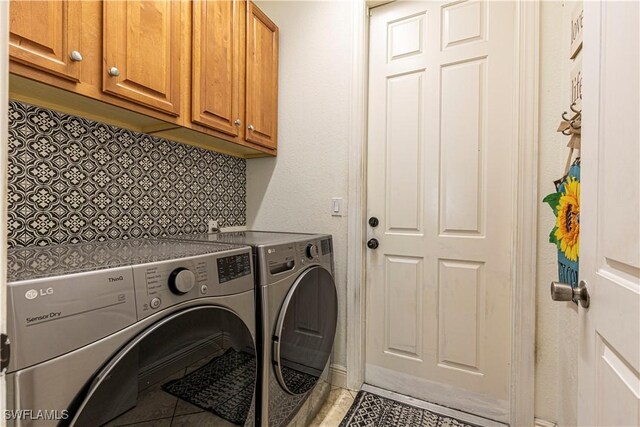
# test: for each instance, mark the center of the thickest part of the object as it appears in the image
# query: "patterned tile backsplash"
(75, 180)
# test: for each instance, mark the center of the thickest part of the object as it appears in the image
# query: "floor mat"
(224, 386)
(298, 382)
(371, 410)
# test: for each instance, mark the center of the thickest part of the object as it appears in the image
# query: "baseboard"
(338, 376)
(544, 423)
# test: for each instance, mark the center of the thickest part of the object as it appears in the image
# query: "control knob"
(312, 251)
(181, 281)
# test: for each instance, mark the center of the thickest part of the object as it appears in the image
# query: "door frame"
(4, 166)
(525, 187)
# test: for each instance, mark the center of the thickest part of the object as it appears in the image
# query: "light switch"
(336, 206)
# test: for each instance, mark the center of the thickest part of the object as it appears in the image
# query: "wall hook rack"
(571, 125)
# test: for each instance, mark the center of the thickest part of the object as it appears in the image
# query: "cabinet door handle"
(237, 122)
(250, 127)
(114, 72)
(75, 56)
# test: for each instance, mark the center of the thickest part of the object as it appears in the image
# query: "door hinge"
(5, 352)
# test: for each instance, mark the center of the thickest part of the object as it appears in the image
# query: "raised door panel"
(218, 60)
(261, 79)
(142, 52)
(43, 34)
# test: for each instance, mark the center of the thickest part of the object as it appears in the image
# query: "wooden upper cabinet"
(142, 46)
(261, 79)
(43, 34)
(218, 64)
(200, 71)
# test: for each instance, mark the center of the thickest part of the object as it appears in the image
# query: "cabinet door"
(142, 52)
(43, 34)
(218, 64)
(262, 79)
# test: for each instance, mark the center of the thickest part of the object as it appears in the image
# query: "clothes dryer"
(132, 331)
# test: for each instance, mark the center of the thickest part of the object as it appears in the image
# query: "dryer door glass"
(195, 367)
(305, 330)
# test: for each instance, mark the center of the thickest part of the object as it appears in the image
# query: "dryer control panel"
(163, 284)
(233, 267)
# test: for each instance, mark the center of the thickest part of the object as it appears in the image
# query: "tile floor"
(335, 408)
(157, 408)
(184, 414)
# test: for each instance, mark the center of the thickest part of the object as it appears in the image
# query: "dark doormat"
(371, 410)
(298, 382)
(224, 386)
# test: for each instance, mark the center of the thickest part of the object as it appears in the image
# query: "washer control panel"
(280, 260)
(311, 251)
(163, 284)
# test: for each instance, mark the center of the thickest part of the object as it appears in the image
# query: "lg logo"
(32, 293)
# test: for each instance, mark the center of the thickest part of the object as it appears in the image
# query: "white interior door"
(609, 365)
(440, 170)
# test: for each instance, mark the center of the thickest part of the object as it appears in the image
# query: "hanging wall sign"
(565, 203)
(577, 17)
(576, 83)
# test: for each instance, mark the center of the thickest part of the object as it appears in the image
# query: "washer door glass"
(305, 330)
(196, 367)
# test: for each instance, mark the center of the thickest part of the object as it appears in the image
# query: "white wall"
(556, 322)
(293, 191)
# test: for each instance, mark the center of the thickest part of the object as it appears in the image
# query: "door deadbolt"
(373, 221)
(373, 244)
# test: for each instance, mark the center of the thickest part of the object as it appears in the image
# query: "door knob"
(114, 72)
(373, 221)
(373, 243)
(564, 292)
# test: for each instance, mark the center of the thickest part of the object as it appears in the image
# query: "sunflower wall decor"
(565, 203)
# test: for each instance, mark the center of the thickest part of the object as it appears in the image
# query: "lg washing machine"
(297, 314)
(132, 332)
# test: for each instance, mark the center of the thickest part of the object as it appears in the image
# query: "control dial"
(312, 251)
(181, 281)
